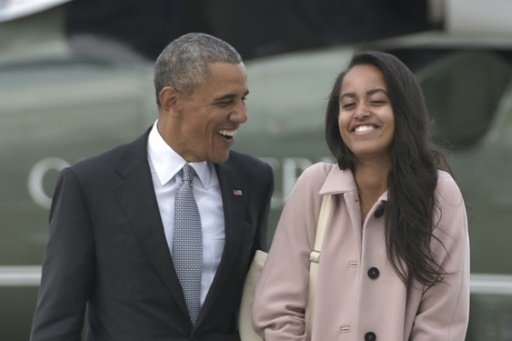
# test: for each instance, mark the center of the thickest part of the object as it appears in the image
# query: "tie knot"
(187, 173)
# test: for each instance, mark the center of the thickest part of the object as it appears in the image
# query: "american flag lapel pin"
(237, 192)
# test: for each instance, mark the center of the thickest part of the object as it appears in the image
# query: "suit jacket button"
(370, 336)
(373, 273)
(379, 211)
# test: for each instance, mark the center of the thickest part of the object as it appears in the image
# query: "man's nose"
(239, 113)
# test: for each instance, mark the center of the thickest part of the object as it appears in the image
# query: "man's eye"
(224, 103)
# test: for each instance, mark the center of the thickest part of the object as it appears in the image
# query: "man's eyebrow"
(229, 96)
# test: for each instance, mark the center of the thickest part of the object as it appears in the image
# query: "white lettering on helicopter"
(286, 171)
(36, 177)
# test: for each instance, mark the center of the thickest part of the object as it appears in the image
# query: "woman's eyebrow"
(376, 90)
(348, 94)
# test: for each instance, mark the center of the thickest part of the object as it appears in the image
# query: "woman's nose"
(362, 113)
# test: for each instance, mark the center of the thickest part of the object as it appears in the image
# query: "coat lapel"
(137, 198)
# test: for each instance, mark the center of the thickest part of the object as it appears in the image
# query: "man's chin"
(220, 158)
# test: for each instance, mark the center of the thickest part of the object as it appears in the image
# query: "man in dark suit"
(112, 222)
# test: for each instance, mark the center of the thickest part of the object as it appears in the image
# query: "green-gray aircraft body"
(58, 108)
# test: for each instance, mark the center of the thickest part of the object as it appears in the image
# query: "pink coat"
(358, 291)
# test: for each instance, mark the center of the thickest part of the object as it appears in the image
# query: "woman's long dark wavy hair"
(413, 176)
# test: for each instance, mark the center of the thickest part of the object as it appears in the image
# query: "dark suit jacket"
(107, 253)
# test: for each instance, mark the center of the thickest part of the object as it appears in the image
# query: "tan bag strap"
(314, 257)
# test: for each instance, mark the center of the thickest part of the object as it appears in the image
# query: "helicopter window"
(463, 91)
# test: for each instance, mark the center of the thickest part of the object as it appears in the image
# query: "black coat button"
(373, 273)
(379, 211)
(370, 336)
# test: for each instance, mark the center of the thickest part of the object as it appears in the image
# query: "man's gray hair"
(183, 63)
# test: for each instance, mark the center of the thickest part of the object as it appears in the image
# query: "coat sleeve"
(281, 293)
(67, 266)
(443, 312)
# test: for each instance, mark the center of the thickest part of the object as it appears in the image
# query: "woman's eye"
(347, 105)
(378, 101)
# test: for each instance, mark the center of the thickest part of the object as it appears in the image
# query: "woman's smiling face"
(366, 118)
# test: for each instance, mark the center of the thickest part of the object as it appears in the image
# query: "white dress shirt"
(165, 165)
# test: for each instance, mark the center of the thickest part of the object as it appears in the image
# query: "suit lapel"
(233, 191)
(137, 198)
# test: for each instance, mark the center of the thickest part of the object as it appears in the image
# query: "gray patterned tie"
(187, 245)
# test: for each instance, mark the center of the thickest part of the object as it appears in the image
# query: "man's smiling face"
(209, 118)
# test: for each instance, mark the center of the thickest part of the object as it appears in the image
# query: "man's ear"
(169, 97)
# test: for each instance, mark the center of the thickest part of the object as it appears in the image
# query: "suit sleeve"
(261, 238)
(67, 271)
(443, 313)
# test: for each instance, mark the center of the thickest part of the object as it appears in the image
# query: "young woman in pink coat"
(395, 258)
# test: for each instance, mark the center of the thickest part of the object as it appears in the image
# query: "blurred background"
(76, 79)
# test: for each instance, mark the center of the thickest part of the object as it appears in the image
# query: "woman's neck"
(371, 181)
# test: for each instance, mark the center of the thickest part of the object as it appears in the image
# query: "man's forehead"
(227, 78)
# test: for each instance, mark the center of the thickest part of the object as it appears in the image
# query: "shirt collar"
(167, 163)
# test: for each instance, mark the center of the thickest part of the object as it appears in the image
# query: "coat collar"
(340, 181)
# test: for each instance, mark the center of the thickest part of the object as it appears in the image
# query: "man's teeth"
(363, 128)
(228, 133)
